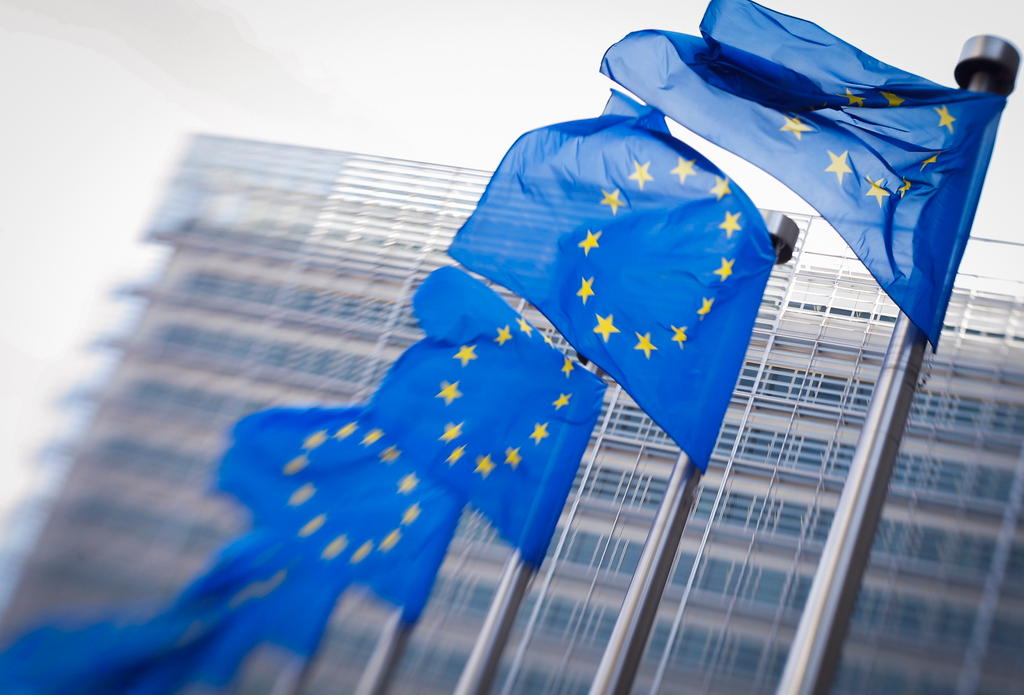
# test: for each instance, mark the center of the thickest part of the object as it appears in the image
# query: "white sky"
(99, 96)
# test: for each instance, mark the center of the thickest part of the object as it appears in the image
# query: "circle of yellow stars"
(298, 497)
(731, 223)
(450, 390)
(840, 164)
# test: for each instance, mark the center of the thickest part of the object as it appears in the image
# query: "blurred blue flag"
(479, 411)
(893, 161)
(327, 513)
(482, 406)
(492, 410)
(646, 257)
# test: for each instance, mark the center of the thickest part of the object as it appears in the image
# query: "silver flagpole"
(293, 677)
(987, 64)
(621, 658)
(391, 644)
(482, 666)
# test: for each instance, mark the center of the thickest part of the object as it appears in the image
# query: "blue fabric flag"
(893, 161)
(327, 513)
(481, 410)
(482, 406)
(493, 411)
(646, 257)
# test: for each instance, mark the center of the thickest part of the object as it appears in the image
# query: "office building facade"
(288, 280)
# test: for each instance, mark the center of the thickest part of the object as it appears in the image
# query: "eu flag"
(327, 513)
(646, 257)
(489, 409)
(893, 161)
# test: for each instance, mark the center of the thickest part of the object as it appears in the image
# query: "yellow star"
(567, 367)
(904, 188)
(334, 548)
(877, 191)
(590, 242)
(466, 354)
(296, 465)
(731, 223)
(562, 400)
(451, 431)
(547, 339)
(524, 326)
(301, 495)
(586, 289)
(504, 334)
(371, 437)
(679, 335)
(457, 453)
(407, 483)
(644, 343)
(312, 526)
(854, 99)
(931, 160)
(345, 431)
(945, 119)
(314, 440)
(726, 269)
(839, 166)
(796, 126)
(449, 392)
(705, 307)
(361, 552)
(612, 200)
(642, 174)
(540, 431)
(893, 99)
(721, 187)
(411, 514)
(512, 457)
(684, 168)
(390, 541)
(484, 465)
(605, 327)
(390, 454)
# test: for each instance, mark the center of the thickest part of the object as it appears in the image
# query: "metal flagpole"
(293, 677)
(383, 662)
(622, 656)
(987, 64)
(482, 666)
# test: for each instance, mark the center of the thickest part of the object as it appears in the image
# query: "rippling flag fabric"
(327, 513)
(645, 256)
(893, 161)
(482, 410)
(482, 406)
(494, 411)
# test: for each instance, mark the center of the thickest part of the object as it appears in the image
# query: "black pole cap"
(784, 234)
(995, 58)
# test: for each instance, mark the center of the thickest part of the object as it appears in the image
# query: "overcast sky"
(100, 95)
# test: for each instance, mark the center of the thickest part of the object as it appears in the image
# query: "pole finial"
(992, 56)
(784, 233)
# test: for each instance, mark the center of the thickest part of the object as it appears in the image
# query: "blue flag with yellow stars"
(327, 511)
(482, 406)
(490, 409)
(645, 256)
(893, 161)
